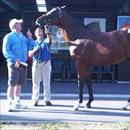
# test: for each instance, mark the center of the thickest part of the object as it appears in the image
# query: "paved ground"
(109, 99)
(102, 111)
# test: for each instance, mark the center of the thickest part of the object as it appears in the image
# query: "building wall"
(124, 71)
(121, 71)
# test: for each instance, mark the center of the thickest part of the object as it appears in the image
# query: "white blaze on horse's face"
(51, 17)
(51, 11)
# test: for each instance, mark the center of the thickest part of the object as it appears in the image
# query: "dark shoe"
(48, 103)
(35, 103)
(9, 106)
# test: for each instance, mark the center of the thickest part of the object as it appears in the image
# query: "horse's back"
(106, 48)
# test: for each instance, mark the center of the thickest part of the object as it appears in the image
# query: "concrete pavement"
(109, 99)
(103, 110)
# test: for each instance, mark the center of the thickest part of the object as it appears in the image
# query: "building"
(107, 10)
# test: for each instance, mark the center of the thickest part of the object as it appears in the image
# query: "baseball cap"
(13, 22)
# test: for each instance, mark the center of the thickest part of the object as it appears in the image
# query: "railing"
(62, 70)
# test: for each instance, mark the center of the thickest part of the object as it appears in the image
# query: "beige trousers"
(41, 72)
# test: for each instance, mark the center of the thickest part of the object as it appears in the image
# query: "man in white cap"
(15, 49)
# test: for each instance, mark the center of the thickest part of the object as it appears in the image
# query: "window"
(58, 41)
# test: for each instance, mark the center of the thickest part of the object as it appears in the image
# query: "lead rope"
(39, 53)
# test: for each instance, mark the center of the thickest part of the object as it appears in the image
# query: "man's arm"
(49, 39)
(6, 49)
(34, 51)
(48, 34)
(31, 51)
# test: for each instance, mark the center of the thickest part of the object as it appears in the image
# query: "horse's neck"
(71, 28)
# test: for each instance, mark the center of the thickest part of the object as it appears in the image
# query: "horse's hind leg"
(81, 83)
(127, 106)
(90, 91)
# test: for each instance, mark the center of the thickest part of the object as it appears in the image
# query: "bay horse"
(88, 47)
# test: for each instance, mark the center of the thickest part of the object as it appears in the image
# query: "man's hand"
(37, 49)
(47, 30)
(29, 34)
(34, 51)
(17, 63)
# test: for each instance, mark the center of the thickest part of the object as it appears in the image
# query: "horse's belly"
(107, 60)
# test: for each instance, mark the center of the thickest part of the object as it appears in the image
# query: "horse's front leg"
(81, 83)
(90, 91)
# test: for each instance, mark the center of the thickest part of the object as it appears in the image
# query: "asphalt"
(107, 106)
(61, 111)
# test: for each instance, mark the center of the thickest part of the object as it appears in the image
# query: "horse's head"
(51, 17)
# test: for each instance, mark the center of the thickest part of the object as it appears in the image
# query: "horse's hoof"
(124, 108)
(76, 106)
(88, 106)
(75, 109)
(127, 107)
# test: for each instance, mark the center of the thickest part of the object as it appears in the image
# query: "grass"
(64, 126)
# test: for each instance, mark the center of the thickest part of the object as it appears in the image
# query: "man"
(15, 50)
(41, 68)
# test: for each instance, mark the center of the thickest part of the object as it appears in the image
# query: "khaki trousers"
(41, 72)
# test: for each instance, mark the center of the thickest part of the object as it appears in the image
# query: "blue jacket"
(15, 46)
(44, 53)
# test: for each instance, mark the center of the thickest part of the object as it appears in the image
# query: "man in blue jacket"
(41, 69)
(15, 50)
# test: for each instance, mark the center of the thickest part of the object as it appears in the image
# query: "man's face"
(39, 33)
(18, 26)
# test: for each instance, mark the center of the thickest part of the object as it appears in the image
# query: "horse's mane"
(74, 18)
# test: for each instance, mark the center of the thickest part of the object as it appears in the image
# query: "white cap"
(13, 22)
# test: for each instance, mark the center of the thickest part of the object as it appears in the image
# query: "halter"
(48, 19)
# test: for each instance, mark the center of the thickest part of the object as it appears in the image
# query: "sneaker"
(9, 106)
(48, 103)
(18, 105)
(34, 103)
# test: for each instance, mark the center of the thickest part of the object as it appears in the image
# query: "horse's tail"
(127, 30)
(128, 34)
(128, 42)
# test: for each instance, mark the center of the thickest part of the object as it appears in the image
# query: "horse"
(88, 47)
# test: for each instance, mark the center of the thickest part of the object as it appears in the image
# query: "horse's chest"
(77, 49)
(74, 51)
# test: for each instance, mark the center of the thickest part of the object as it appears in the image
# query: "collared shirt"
(15, 46)
(44, 53)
